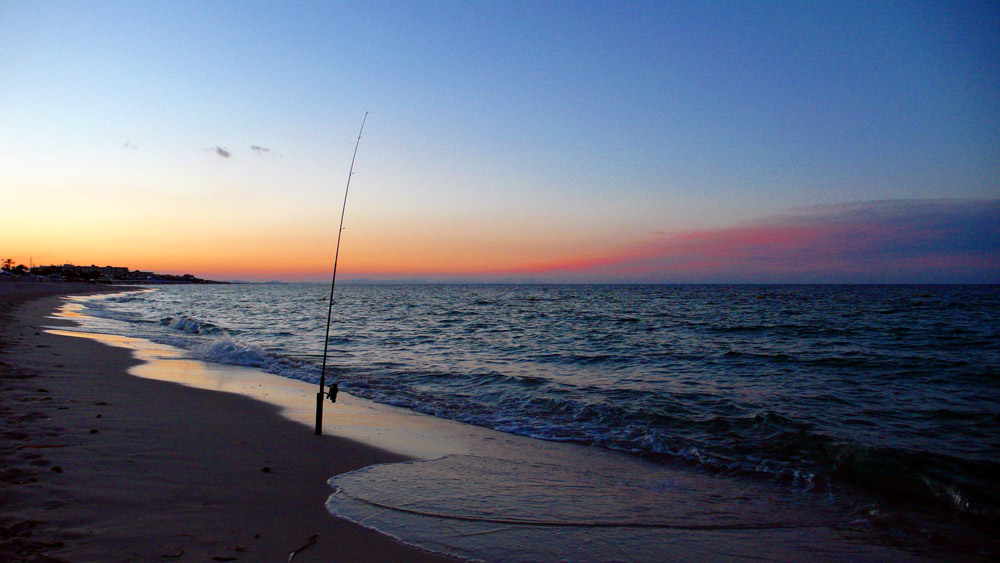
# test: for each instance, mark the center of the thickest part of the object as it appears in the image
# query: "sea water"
(875, 407)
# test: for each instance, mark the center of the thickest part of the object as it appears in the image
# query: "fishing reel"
(332, 393)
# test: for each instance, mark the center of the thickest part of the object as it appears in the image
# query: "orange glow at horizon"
(254, 236)
(281, 252)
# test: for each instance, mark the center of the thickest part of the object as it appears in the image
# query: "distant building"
(108, 274)
(92, 271)
(115, 272)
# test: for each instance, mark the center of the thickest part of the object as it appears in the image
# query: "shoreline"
(101, 465)
(443, 485)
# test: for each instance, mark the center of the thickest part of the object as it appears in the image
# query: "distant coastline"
(106, 275)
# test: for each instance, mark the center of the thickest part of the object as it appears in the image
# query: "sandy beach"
(100, 465)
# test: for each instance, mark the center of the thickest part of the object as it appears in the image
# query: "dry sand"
(100, 465)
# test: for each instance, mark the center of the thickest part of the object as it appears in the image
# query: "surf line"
(516, 521)
(332, 394)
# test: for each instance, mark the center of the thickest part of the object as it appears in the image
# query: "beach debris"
(310, 541)
(265, 469)
(57, 469)
(94, 431)
(223, 558)
(240, 548)
(180, 553)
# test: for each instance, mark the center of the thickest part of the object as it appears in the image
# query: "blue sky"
(501, 134)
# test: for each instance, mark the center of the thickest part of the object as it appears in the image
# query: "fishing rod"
(329, 312)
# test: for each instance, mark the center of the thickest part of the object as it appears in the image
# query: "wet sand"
(100, 465)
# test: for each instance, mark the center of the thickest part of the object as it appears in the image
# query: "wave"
(190, 326)
(226, 350)
(765, 444)
(130, 297)
(204, 340)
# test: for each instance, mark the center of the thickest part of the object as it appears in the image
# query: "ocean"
(879, 404)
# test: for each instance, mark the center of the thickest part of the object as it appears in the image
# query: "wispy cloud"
(873, 241)
(224, 153)
(260, 150)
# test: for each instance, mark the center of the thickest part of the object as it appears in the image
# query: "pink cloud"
(878, 241)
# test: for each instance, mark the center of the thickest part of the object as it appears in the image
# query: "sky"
(590, 142)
